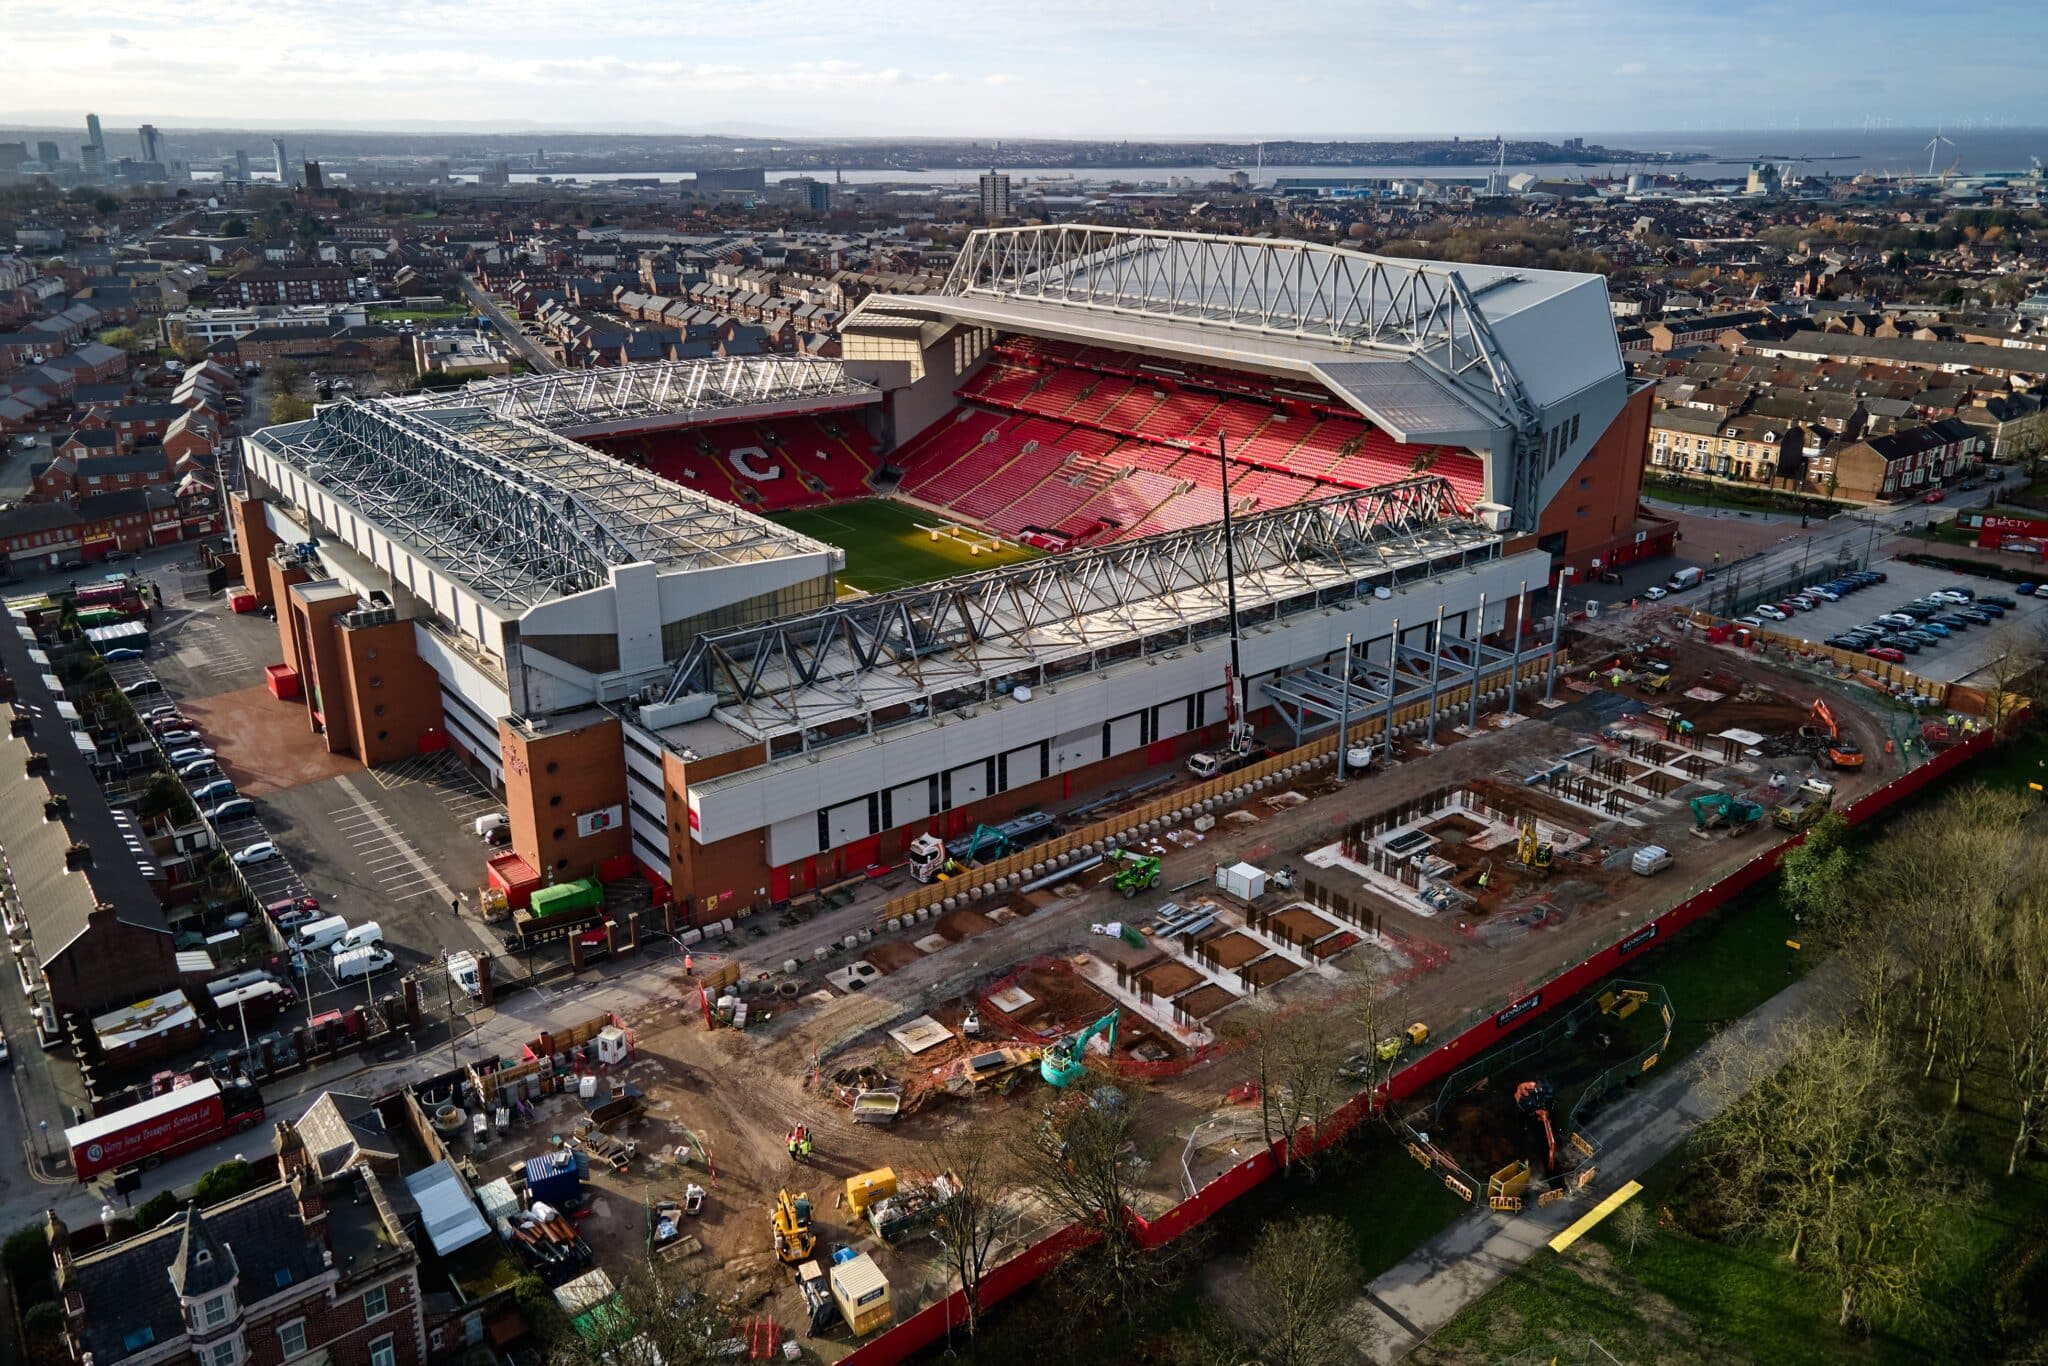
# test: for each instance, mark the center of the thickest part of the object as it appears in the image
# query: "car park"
(1887, 653)
(262, 851)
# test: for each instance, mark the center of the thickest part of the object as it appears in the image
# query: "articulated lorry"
(178, 1121)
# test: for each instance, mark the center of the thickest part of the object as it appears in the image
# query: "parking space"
(385, 856)
(1966, 651)
(207, 651)
(444, 775)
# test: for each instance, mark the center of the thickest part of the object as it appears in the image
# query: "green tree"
(124, 339)
(235, 227)
(1817, 873)
(224, 1182)
(288, 408)
(26, 1257)
(287, 377)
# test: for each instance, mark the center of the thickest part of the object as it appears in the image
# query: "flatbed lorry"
(145, 1133)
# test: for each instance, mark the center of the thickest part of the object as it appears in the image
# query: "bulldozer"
(1135, 872)
(1532, 851)
(791, 1220)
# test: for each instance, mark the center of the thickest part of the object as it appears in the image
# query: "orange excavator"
(1534, 1098)
(1841, 751)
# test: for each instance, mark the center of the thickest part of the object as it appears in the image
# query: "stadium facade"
(576, 580)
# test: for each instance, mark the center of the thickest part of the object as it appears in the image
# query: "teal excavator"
(1713, 810)
(1064, 1061)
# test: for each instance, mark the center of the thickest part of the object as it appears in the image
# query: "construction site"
(1454, 875)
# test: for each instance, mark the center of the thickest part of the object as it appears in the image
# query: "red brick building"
(288, 285)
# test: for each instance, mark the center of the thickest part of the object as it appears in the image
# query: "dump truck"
(1805, 806)
(178, 1121)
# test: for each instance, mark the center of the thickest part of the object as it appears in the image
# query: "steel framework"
(1314, 697)
(1300, 290)
(577, 398)
(1028, 622)
(516, 512)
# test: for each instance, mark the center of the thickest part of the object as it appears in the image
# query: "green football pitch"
(886, 546)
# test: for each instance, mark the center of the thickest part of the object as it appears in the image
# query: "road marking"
(390, 832)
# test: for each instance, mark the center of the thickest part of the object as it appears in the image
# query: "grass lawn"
(1694, 493)
(885, 548)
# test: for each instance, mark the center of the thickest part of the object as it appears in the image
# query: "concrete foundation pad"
(1010, 1000)
(920, 1034)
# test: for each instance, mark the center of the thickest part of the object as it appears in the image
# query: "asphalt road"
(507, 326)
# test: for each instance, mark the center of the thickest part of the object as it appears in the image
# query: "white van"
(321, 933)
(366, 935)
(350, 964)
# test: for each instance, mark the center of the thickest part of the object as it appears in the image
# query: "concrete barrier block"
(895, 923)
(692, 936)
(790, 966)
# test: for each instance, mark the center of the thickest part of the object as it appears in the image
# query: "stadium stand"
(766, 466)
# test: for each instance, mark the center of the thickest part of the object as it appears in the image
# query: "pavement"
(1456, 1267)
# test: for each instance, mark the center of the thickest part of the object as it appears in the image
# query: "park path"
(1456, 1267)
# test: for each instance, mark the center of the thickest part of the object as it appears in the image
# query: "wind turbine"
(1934, 145)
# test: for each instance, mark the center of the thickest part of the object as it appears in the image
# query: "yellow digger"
(791, 1219)
(1532, 851)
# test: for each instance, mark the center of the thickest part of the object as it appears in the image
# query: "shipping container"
(584, 894)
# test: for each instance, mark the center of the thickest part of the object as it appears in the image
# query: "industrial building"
(577, 579)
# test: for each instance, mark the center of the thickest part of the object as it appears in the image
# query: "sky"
(1054, 68)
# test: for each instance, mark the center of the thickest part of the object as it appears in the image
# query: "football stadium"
(1107, 498)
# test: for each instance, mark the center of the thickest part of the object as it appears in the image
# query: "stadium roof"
(898, 648)
(659, 393)
(517, 513)
(1430, 351)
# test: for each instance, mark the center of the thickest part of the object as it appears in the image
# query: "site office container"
(584, 894)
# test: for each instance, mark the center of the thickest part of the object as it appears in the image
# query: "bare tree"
(971, 1224)
(2021, 650)
(1074, 1164)
(1829, 1157)
(1295, 1057)
(1300, 1303)
(658, 1318)
(1634, 1225)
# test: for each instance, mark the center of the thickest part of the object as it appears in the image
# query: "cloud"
(1632, 69)
(998, 78)
(116, 40)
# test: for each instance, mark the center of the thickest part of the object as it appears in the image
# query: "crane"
(1534, 1098)
(1063, 1062)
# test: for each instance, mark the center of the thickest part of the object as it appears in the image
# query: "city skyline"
(1078, 69)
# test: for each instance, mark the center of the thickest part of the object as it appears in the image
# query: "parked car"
(1993, 608)
(203, 768)
(1937, 496)
(178, 737)
(1934, 628)
(190, 753)
(117, 556)
(1654, 593)
(142, 687)
(1906, 643)
(234, 808)
(1887, 653)
(351, 964)
(1977, 616)
(1825, 593)
(1997, 600)
(124, 652)
(219, 790)
(1771, 613)
(2042, 591)
(262, 851)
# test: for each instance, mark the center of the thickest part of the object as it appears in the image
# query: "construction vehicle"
(1065, 1061)
(1532, 851)
(1414, 1036)
(1715, 810)
(1826, 739)
(1808, 802)
(791, 1221)
(1239, 752)
(1135, 872)
(932, 859)
(1533, 1098)
(928, 859)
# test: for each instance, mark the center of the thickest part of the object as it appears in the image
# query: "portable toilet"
(862, 1294)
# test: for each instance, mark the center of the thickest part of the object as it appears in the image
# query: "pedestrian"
(689, 962)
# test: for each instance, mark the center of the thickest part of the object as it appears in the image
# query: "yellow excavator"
(1532, 851)
(791, 1219)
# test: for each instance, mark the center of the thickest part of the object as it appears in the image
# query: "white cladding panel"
(970, 783)
(1071, 713)
(910, 802)
(793, 839)
(1025, 766)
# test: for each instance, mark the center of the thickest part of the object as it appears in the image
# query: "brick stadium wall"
(928, 1326)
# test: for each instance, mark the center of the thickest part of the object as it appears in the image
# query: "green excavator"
(1063, 1061)
(1718, 810)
